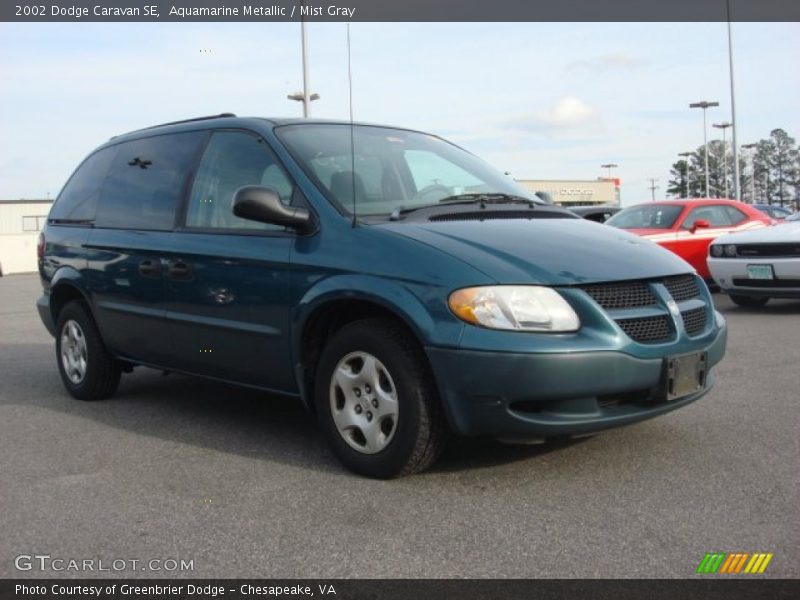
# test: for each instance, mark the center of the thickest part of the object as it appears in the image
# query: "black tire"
(102, 372)
(749, 301)
(421, 429)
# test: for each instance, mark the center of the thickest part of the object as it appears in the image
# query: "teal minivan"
(395, 284)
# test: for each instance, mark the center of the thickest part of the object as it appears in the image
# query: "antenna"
(352, 138)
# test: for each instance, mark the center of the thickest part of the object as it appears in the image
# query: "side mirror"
(261, 203)
(700, 224)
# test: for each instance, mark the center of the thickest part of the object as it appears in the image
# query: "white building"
(20, 224)
(578, 192)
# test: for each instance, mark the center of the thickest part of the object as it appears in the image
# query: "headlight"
(730, 250)
(514, 307)
(716, 251)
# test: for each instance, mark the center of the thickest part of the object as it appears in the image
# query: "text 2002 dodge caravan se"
(392, 281)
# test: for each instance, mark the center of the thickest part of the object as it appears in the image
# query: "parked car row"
(727, 242)
(779, 213)
(687, 227)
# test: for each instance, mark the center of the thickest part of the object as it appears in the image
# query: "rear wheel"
(377, 402)
(749, 301)
(87, 369)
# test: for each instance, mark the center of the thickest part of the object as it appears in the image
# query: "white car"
(754, 266)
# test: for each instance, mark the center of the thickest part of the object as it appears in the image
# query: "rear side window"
(715, 214)
(735, 214)
(146, 180)
(78, 200)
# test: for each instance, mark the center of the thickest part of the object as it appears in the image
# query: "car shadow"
(776, 306)
(465, 453)
(221, 417)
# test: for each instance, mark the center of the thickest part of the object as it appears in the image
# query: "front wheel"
(377, 402)
(749, 301)
(87, 369)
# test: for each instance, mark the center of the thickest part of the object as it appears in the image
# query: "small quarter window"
(78, 200)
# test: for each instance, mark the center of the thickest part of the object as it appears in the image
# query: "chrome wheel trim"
(74, 354)
(363, 402)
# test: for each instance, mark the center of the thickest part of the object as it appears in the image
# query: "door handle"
(150, 268)
(179, 270)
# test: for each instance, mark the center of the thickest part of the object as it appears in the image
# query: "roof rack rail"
(206, 118)
(219, 116)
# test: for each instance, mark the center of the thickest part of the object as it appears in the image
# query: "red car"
(687, 227)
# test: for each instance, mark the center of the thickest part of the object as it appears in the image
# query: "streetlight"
(737, 192)
(686, 156)
(304, 96)
(724, 126)
(753, 168)
(609, 166)
(705, 106)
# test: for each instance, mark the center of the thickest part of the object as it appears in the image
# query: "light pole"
(753, 170)
(305, 97)
(686, 156)
(609, 166)
(705, 106)
(724, 126)
(737, 192)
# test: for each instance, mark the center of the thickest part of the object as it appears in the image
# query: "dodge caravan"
(394, 283)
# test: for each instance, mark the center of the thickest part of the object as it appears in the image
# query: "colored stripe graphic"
(711, 562)
(733, 563)
(759, 562)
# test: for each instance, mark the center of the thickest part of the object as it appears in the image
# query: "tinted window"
(233, 159)
(736, 216)
(78, 200)
(647, 216)
(715, 214)
(146, 180)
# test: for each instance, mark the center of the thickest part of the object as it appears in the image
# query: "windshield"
(391, 169)
(646, 216)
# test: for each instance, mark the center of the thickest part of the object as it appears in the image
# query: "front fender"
(422, 307)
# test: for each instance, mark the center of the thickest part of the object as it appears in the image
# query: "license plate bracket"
(684, 375)
(760, 272)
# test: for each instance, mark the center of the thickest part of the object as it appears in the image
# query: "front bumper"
(731, 276)
(543, 395)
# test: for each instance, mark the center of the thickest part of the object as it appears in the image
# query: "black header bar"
(401, 10)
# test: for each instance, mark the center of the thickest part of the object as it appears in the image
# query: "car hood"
(547, 251)
(781, 233)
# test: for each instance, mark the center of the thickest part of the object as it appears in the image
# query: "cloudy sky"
(543, 101)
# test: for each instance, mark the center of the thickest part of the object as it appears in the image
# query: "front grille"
(629, 294)
(694, 321)
(682, 287)
(622, 299)
(768, 250)
(647, 330)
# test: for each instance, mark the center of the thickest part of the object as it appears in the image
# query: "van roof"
(230, 119)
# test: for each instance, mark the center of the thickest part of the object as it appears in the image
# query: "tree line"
(769, 171)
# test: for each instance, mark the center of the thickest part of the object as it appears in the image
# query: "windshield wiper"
(475, 198)
(487, 198)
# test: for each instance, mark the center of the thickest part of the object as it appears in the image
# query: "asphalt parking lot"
(243, 485)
